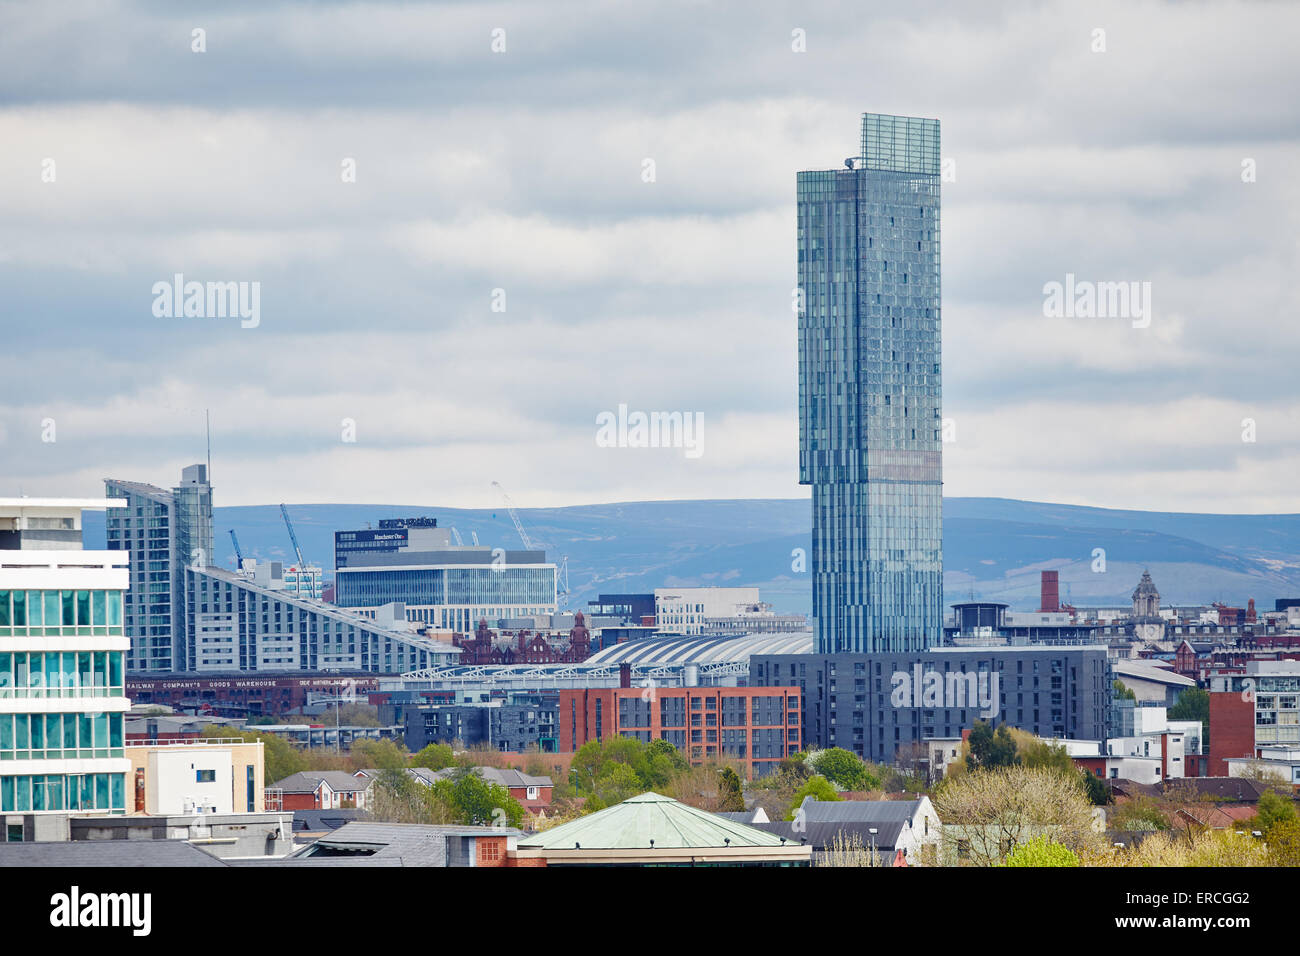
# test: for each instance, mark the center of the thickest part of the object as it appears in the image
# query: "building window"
(205, 776)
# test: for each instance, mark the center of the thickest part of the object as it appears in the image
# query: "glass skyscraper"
(869, 389)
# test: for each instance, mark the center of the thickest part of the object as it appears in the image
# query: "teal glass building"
(869, 389)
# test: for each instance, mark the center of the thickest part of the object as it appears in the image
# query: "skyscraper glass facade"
(869, 389)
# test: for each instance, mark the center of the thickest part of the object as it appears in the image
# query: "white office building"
(690, 610)
(62, 663)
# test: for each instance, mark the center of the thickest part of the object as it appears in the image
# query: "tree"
(1041, 851)
(384, 754)
(434, 757)
(1048, 756)
(817, 787)
(990, 749)
(1095, 789)
(844, 768)
(652, 766)
(848, 851)
(1140, 813)
(358, 715)
(477, 802)
(617, 782)
(1122, 692)
(988, 813)
(1283, 840)
(1209, 848)
(710, 787)
(1273, 810)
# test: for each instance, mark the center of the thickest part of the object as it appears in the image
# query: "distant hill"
(993, 547)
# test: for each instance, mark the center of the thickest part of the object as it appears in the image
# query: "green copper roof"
(633, 823)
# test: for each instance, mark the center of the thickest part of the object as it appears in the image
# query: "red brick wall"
(578, 716)
(490, 851)
(1232, 730)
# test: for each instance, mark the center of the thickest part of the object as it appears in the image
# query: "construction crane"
(239, 558)
(460, 543)
(510, 507)
(302, 565)
(562, 584)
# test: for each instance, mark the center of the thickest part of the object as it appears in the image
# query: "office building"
(869, 389)
(875, 704)
(687, 611)
(242, 622)
(441, 584)
(163, 532)
(62, 663)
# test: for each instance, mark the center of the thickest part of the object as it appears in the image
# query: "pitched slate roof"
(87, 853)
(635, 823)
(821, 834)
(871, 812)
(306, 781)
(502, 776)
(362, 843)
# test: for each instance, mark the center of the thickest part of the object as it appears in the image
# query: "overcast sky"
(523, 171)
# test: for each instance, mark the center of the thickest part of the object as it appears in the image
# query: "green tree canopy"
(844, 768)
(1272, 810)
(385, 754)
(817, 787)
(1040, 851)
(434, 757)
(990, 749)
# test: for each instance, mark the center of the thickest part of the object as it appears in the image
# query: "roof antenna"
(207, 417)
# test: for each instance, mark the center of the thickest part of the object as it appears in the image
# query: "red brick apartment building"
(757, 726)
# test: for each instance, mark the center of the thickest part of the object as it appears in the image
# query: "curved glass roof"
(703, 650)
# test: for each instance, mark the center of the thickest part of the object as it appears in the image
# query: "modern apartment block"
(869, 389)
(875, 704)
(442, 584)
(62, 664)
(514, 723)
(250, 622)
(163, 532)
(757, 726)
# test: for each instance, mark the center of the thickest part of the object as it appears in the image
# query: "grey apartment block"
(164, 532)
(511, 727)
(872, 704)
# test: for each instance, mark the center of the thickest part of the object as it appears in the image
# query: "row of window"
(54, 791)
(60, 736)
(57, 613)
(61, 674)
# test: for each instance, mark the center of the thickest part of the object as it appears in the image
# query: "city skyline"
(376, 296)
